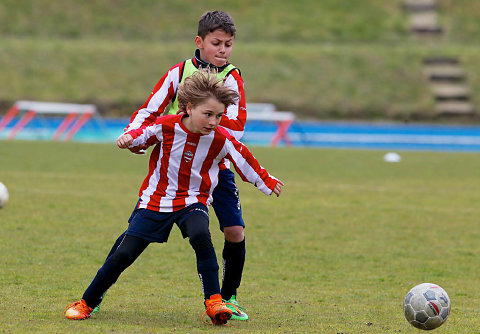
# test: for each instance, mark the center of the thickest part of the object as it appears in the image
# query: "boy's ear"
(189, 109)
(199, 42)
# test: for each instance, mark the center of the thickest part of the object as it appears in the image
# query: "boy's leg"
(120, 238)
(125, 254)
(195, 227)
(116, 244)
(226, 204)
(114, 248)
(233, 256)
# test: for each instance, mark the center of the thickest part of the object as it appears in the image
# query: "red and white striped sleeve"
(158, 100)
(236, 115)
(152, 134)
(248, 167)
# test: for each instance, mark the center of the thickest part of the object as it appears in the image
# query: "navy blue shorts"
(156, 226)
(226, 202)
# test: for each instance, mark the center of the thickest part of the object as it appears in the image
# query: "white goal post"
(76, 115)
(267, 112)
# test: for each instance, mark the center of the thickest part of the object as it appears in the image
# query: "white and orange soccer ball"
(3, 195)
(426, 306)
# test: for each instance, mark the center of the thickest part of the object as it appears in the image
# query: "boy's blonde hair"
(202, 85)
(213, 20)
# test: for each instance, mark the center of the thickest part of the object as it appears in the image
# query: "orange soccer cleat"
(78, 311)
(216, 309)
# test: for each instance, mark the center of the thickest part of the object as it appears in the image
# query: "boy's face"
(205, 117)
(216, 47)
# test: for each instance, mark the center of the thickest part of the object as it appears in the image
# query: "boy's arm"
(249, 168)
(158, 100)
(236, 115)
(145, 136)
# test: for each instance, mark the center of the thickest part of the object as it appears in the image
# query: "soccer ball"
(3, 195)
(426, 306)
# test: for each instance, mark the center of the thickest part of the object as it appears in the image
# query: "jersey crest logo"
(188, 156)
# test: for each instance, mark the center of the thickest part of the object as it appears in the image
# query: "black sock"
(233, 262)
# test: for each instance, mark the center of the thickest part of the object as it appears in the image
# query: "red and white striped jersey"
(165, 92)
(183, 167)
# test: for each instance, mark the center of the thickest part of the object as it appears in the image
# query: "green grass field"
(339, 249)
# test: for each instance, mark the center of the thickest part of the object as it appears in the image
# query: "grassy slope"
(339, 249)
(337, 59)
(338, 80)
(265, 21)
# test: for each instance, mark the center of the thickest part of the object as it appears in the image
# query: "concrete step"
(419, 5)
(427, 19)
(455, 108)
(425, 23)
(426, 30)
(445, 73)
(446, 92)
(441, 61)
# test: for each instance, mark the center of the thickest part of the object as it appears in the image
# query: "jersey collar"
(203, 64)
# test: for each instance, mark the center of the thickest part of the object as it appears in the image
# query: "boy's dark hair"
(202, 85)
(213, 20)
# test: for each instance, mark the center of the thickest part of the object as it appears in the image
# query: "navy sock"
(207, 267)
(233, 262)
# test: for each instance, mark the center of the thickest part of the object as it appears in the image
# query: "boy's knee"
(234, 233)
(122, 258)
(196, 229)
(201, 241)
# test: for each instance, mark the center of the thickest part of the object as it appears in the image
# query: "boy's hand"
(124, 141)
(278, 188)
(138, 150)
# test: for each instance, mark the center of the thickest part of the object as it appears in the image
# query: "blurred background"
(396, 61)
